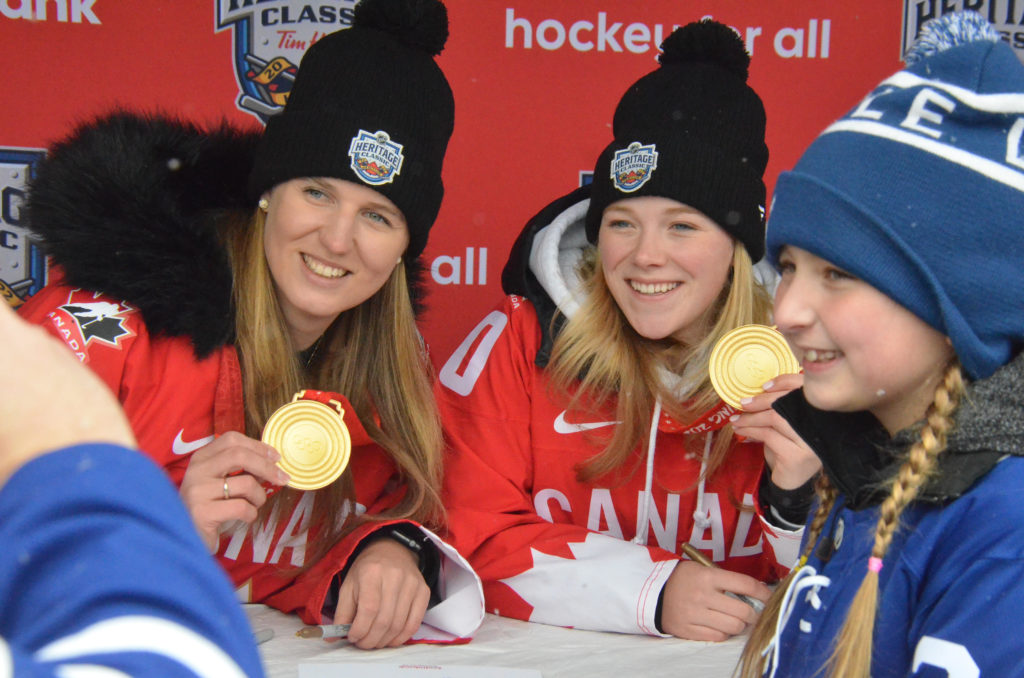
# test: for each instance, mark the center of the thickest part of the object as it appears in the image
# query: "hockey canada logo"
(632, 166)
(376, 159)
(270, 37)
(86, 318)
(22, 264)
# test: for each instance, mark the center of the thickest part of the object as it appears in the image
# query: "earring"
(264, 204)
(399, 260)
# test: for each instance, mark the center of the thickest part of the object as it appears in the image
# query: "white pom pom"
(948, 31)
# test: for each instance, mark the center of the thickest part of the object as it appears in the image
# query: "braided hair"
(851, 657)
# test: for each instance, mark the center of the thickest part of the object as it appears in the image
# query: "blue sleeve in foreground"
(101, 565)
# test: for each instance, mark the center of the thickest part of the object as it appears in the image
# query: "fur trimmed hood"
(126, 205)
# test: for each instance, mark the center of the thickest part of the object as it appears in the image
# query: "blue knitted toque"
(919, 191)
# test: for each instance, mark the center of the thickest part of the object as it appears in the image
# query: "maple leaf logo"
(598, 588)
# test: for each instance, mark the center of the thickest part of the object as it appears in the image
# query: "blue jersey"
(100, 565)
(951, 591)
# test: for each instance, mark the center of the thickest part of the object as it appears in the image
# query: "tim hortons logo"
(270, 38)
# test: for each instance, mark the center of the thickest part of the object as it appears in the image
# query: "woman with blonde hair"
(588, 447)
(903, 299)
(212, 277)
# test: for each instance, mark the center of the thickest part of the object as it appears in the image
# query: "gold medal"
(745, 358)
(313, 441)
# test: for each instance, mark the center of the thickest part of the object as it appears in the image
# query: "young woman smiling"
(588, 446)
(210, 277)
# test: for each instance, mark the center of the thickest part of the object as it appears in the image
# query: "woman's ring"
(227, 492)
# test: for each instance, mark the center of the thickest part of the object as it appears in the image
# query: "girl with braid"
(898, 239)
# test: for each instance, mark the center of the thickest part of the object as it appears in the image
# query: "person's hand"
(223, 482)
(48, 399)
(383, 596)
(694, 604)
(791, 461)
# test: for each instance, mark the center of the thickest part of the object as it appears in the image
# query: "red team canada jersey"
(552, 549)
(176, 404)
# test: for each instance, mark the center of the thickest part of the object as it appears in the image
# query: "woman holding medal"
(206, 313)
(587, 443)
(903, 299)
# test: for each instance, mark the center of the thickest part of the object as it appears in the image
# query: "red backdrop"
(535, 85)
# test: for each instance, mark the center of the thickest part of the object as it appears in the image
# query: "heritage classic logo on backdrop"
(62, 11)
(22, 264)
(1006, 15)
(270, 37)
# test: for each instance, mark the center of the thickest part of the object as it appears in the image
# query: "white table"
(555, 652)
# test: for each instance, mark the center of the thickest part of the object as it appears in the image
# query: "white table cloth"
(500, 642)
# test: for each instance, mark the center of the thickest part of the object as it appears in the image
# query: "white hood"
(556, 252)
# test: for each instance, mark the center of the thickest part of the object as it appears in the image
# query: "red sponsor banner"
(535, 86)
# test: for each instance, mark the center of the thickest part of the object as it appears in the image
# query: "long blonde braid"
(851, 657)
(751, 661)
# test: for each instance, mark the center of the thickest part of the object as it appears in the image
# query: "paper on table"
(362, 670)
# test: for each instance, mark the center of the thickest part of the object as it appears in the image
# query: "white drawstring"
(700, 515)
(803, 578)
(645, 508)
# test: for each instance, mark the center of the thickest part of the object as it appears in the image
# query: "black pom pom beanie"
(370, 105)
(692, 130)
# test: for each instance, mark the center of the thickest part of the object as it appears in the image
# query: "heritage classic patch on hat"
(632, 167)
(376, 159)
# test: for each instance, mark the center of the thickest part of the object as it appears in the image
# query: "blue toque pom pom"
(948, 31)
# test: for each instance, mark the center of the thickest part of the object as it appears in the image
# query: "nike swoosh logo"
(562, 426)
(179, 446)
